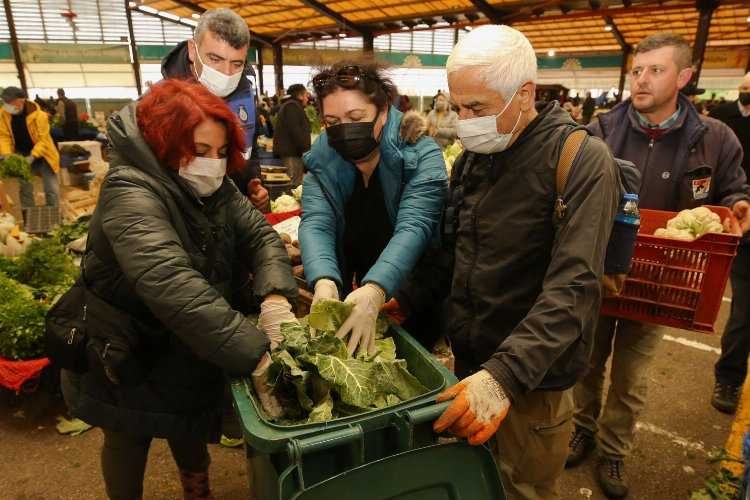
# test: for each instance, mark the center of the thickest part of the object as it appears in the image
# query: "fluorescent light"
(196, 15)
(132, 5)
(404, 28)
(169, 16)
(422, 25)
(551, 53)
(607, 27)
(468, 28)
(342, 35)
(146, 8)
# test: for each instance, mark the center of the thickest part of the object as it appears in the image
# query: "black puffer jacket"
(151, 244)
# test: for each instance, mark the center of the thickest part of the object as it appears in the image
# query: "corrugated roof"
(565, 26)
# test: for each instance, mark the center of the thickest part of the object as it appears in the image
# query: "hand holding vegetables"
(325, 290)
(274, 311)
(479, 406)
(367, 301)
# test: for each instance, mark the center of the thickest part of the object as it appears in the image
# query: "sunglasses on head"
(347, 77)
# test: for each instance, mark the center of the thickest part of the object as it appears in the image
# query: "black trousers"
(124, 461)
(735, 344)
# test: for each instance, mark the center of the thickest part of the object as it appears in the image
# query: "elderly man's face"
(473, 98)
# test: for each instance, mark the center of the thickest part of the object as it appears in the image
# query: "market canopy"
(560, 25)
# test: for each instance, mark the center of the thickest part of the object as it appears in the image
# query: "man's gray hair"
(225, 24)
(505, 55)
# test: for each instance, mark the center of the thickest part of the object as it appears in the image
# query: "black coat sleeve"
(262, 249)
(150, 254)
(568, 305)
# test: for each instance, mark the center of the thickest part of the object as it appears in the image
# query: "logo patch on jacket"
(701, 188)
(242, 113)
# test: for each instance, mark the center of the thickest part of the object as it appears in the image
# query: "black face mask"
(353, 141)
(744, 98)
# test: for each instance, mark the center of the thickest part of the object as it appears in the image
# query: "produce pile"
(689, 225)
(315, 380)
(15, 166)
(30, 282)
(284, 203)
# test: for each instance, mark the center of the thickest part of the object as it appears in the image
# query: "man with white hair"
(731, 368)
(524, 293)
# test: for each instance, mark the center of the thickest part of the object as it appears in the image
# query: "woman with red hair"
(165, 244)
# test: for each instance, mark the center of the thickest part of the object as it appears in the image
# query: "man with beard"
(686, 160)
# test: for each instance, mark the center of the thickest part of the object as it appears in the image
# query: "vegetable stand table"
(310, 461)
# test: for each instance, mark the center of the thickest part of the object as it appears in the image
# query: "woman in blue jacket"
(372, 200)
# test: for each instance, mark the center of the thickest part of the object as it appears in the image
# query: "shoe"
(581, 445)
(609, 475)
(726, 397)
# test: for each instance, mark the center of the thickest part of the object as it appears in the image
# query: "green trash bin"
(285, 460)
(442, 472)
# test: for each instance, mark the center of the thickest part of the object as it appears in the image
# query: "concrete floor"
(676, 432)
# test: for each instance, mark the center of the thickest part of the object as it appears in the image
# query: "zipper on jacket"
(476, 243)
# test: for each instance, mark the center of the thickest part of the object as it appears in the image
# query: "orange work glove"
(479, 406)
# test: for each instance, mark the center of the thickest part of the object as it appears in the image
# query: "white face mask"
(204, 175)
(480, 135)
(11, 109)
(217, 82)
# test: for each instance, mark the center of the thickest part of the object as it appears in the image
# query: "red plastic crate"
(675, 283)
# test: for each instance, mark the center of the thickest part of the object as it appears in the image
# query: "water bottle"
(624, 233)
(628, 212)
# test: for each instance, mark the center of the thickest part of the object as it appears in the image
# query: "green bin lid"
(453, 471)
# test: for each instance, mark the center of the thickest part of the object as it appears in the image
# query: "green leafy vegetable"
(329, 315)
(15, 166)
(71, 232)
(21, 321)
(315, 380)
(47, 266)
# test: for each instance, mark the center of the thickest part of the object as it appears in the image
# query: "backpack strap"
(570, 150)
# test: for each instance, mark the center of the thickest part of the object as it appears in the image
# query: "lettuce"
(315, 380)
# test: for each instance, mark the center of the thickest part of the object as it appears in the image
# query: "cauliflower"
(297, 193)
(284, 203)
(691, 224)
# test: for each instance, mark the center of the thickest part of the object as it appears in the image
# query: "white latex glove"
(325, 289)
(367, 301)
(273, 312)
(269, 402)
(479, 406)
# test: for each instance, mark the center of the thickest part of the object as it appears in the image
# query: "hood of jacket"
(177, 65)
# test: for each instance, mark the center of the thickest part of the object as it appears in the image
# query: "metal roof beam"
(338, 18)
(706, 10)
(617, 33)
(488, 11)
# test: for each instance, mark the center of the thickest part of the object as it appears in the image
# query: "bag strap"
(570, 149)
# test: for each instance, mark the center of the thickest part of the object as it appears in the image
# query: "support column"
(623, 72)
(14, 45)
(706, 9)
(259, 51)
(368, 43)
(133, 50)
(278, 68)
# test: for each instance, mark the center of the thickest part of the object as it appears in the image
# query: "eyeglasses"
(347, 77)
